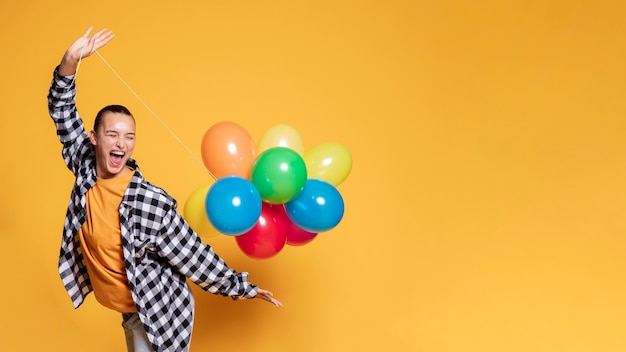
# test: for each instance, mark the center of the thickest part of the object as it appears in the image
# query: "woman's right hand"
(83, 47)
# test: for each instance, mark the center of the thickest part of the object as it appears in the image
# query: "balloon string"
(80, 59)
(155, 115)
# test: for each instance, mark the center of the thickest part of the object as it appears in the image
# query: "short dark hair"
(116, 109)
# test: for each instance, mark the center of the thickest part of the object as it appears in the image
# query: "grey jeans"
(136, 338)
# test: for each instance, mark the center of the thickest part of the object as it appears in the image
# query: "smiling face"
(114, 140)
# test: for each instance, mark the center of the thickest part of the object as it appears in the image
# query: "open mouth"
(116, 158)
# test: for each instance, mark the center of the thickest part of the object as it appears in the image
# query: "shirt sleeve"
(184, 250)
(70, 127)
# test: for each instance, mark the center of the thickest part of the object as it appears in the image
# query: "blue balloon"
(318, 208)
(233, 205)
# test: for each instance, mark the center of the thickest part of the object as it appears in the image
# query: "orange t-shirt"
(101, 240)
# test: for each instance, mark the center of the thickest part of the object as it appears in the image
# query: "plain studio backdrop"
(484, 210)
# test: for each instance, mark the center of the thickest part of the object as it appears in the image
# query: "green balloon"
(279, 174)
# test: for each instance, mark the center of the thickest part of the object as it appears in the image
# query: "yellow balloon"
(195, 214)
(280, 135)
(330, 162)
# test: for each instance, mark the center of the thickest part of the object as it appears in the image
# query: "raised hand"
(83, 47)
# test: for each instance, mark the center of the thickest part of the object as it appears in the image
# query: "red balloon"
(296, 236)
(299, 237)
(268, 236)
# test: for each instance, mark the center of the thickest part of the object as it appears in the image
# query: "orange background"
(484, 210)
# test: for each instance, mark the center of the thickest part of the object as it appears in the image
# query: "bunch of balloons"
(268, 194)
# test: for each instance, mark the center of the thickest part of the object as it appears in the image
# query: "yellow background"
(484, 210)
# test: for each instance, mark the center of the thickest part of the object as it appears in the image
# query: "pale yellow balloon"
(330, 162)
(195, 214)
(281, 135)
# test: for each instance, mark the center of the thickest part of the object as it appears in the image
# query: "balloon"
(330, 162)
(228, 150)
(233, 205)
(195, 214)
(279, 174)
(281, 136)
(267, 237)
(299, 237)
(295, 235)
(318, 208)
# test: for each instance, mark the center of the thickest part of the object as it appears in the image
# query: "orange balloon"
(228, 150)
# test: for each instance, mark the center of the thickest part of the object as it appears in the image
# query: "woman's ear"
(92, 137)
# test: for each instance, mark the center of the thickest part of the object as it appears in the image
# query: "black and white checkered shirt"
(160, 249)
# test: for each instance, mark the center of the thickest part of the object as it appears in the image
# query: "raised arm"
(83, 47)
(62, 98)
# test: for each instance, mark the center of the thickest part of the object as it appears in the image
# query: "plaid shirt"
(160, 249)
